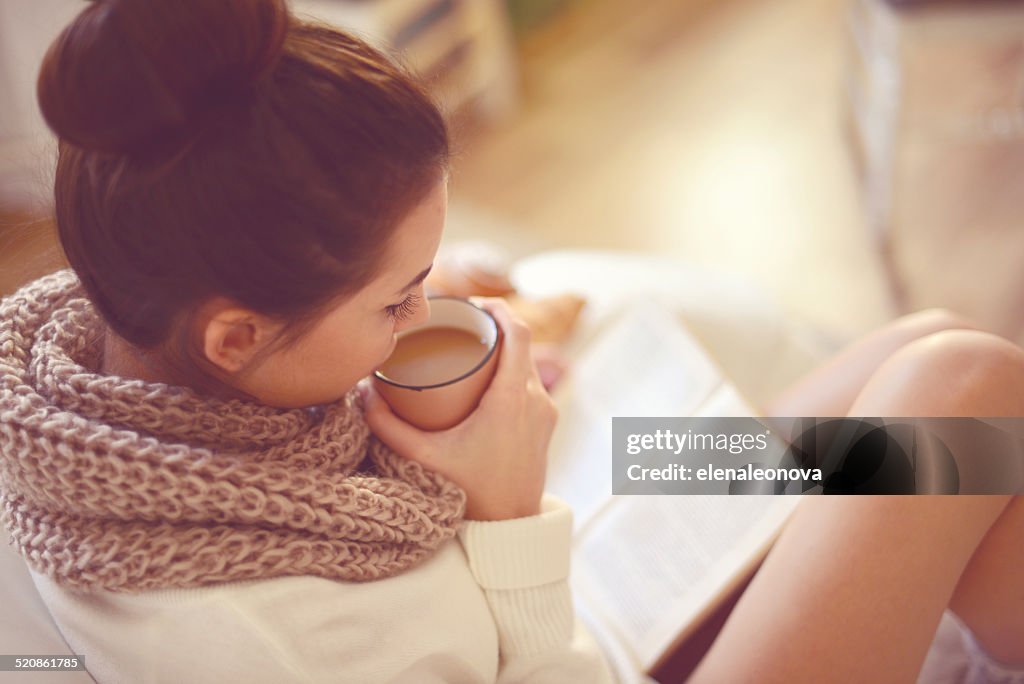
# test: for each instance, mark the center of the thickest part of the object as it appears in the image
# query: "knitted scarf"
(126, 485)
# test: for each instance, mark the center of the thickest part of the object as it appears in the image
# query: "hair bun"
(125, 73)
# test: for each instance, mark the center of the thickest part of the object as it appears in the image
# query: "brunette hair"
(226, 148)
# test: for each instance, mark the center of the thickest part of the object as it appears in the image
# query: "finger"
(400, 436)
(515, 361)
(551, 366)
(516, 365)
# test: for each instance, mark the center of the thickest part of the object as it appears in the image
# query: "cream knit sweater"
(492, 605)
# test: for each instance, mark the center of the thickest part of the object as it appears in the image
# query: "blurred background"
(850, 159)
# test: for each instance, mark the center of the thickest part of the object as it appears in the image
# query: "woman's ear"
(232, 336)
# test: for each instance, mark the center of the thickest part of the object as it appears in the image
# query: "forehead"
(414, 242)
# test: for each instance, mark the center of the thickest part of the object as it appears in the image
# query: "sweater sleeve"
(523, 567)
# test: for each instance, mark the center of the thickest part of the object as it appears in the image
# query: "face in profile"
(357, 336)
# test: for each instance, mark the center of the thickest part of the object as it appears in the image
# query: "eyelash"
(404, 309)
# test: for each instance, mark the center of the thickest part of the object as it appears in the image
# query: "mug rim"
(487, 357)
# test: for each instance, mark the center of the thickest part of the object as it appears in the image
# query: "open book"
(648, 569)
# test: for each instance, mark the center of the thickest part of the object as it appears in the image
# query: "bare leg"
(854, 589)
(990, 595)
(831, 389)
(949, 373)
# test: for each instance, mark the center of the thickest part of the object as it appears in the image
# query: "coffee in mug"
(439, 370)
(434, 355)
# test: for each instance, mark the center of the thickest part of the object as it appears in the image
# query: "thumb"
(404, 439)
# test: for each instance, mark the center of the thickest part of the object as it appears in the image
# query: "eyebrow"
(417, 280)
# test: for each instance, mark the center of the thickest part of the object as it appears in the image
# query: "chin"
(338, 396)
(311, 401)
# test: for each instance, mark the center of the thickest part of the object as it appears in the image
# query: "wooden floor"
(709, 130)
(28, 248)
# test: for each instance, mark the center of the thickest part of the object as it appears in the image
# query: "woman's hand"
(498, 454)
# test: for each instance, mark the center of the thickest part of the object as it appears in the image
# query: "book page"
(650, 567)
(644, 363)
(647, 569)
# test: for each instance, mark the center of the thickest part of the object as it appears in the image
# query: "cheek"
(360, 353)
(389, 347)
(385, 341)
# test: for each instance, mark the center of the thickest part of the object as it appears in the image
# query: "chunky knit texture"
(126, 485)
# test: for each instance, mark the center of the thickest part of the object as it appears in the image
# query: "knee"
(964, 350)
(953, 372)
(928, 321)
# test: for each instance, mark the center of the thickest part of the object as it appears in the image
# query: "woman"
(250, 205)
